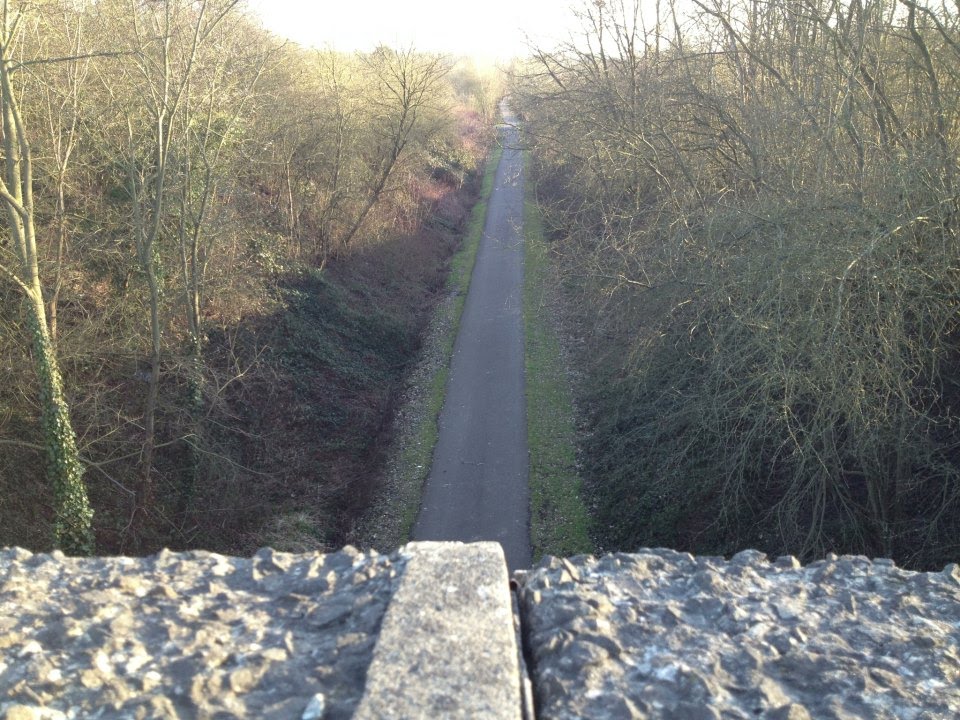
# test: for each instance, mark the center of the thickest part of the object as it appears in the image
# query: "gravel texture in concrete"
(429, 632)
(189, 635)
(662, 634)
(447, 648)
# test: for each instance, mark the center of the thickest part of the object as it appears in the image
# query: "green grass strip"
(559, 522)
(411, 466)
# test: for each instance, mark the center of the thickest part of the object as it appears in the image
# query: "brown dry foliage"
(276, 379)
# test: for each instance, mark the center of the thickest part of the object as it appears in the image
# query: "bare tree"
(167, 38)
(760, 202)
(73, 526)
(406, 83)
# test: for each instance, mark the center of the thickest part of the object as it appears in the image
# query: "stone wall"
(661, 634)
(432, 631)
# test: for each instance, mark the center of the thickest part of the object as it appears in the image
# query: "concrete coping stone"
(447, 646)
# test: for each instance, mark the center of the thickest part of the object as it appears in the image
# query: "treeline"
(758, 202)
(176, 179)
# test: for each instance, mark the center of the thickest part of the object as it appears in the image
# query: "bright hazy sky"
(486, 29)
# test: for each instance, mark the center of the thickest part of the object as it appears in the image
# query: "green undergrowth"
(338, 356)
(394, 516)
(559, 521)
(338, 335)
(339, 351)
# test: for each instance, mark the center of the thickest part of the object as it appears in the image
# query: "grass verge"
(393, 515)
(559, 523)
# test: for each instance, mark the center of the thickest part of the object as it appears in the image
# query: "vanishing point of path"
(477, 488)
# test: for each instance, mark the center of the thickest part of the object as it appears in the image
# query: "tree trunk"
(147, 495)
(73, 532)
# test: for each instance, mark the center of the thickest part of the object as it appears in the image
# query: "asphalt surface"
(477, 488)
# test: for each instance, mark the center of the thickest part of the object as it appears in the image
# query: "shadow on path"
(477, 488)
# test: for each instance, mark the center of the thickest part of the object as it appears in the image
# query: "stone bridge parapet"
(438, 630)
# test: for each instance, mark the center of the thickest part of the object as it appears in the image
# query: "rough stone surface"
(447, 647)
(189, 635)
(429, 632)
(661, 634)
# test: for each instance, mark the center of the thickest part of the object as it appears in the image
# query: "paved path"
(477, 489)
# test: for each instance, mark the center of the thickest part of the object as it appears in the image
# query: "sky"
(485, 29)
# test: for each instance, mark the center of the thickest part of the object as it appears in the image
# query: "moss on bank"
(558, 517)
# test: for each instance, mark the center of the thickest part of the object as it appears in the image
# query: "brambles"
(759, 202)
